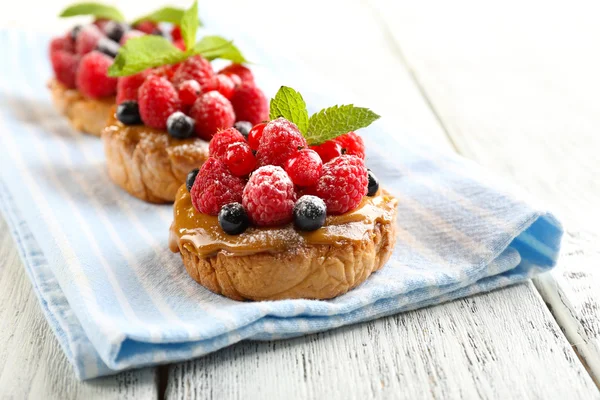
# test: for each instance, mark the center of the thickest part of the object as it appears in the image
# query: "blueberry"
(233, 219)
(243, 127)
(309, 213)
(180, 126)
(373, 184)
(108, 47)
(128, 113)
(115, 30)
(191, 178)
(75, 31)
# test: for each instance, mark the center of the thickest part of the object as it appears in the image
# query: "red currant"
(328, 150)
(239, 159)
(304, 168)
(255, 134)
(189, 92)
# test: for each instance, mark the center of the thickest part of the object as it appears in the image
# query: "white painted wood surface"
(516, 88)
(499, 345)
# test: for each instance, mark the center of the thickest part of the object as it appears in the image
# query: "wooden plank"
(32, 364)
(497, 345)
(519, 96)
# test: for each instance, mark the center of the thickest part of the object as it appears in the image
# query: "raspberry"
(269, 196)
(220, 142)
(65, 67)
(239, 159)
(61, 44)
(328, 150)
(280, 140)
(343, 184)
(212, 112)
(351, 144)
(130, 35)
(180, 44)
(157, 100)
(214, 187)
(222, 84)
(242, 72)
(91, 77)
(147, 27)
(255, 135)
(87, 39)
(100, 23)
(189, 92)
(127, 86)
(166, 71)
(196, 68)
(250, 104)
(176, 33)
(304, 168)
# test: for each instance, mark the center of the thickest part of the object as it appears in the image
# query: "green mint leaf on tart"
(168, 14)
(145, 52)
(189, 25)
(213, 47)
(97, 10)
(290, 105)
(332, 122)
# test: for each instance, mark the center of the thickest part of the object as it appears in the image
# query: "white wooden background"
(512, 85)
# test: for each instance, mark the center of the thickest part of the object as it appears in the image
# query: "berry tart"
(268, 217)
(170, 103)
(81, 89)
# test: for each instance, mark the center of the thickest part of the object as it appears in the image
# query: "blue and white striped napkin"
(117, 298)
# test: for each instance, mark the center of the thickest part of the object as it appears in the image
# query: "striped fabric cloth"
(117, 298)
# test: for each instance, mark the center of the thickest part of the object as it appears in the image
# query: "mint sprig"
(325, 125)
(150, 51)
(97, 10)
(168, 14)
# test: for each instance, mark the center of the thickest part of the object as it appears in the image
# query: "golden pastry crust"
(316, 271)
(148, 163)
(84, 114)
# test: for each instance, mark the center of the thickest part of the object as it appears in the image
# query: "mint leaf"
(189, 25)
(212, 47)
(145, 52)
(290, 105)
(98, 10)
(332, 122)
(168, 14)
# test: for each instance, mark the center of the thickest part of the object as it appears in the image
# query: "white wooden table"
(513, 86)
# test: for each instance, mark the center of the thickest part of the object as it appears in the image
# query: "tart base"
(148, 163)
(309, 272)
(85, 114)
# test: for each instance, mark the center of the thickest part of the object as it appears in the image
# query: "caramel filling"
(202, 235)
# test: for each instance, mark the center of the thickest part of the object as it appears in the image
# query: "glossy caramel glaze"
(202, 235)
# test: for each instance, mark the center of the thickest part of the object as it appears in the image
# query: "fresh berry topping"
(180, 44)
(233, 219)
(269, 196)
(309, 213)
(351, 144)
(343, 184)
(250, 104)
(91, 78)
(237, 81)
(147, 27)
(214, 187)
(243, 127)
(128, 113)
(189, 92)
(87, 39)
(100, 23)
(166, 71)
(373, 186)
(280, 140)
(255, 135)
(61, 44)
(212, 112)
(304, 168)
(115, 30)
(130, 35)
(108, 47)
(328, 150)
(221, 141)
(191, 178)
(197, 68)
(74, 32)
(242, 72)
(127, 86)
(180, 126)
(176, 33)
(65, 67)
(239, 159)
(222, 84)
(158, 99)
